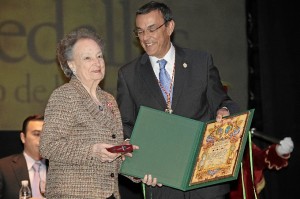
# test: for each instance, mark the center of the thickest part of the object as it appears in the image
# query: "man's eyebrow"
(147, 26)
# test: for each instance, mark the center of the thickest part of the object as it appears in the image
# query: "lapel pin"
(184, 65)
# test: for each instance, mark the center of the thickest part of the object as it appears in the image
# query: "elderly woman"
(81, 122)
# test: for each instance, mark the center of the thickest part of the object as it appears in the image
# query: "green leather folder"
(170, 146)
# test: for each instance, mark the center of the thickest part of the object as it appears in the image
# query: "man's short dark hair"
(31, 118)
(153, 5)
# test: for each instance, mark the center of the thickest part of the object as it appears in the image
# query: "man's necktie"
(36, 181)
(164, 79)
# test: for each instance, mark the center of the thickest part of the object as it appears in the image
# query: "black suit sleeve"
(216, 94)
(126, 105)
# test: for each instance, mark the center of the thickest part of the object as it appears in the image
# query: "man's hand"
(149, 181)
(222, 112)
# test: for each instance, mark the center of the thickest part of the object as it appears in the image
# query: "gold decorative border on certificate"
(219, 150)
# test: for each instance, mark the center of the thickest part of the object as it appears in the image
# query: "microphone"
(260, 135)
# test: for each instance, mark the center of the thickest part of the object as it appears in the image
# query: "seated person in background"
(274, 157)
(18, 167)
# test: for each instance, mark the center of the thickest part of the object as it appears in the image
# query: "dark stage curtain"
(274, 86)
(10, 143)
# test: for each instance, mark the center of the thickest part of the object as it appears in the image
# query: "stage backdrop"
(30, 29)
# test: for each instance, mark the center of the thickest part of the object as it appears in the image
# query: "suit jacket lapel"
(148, 76)
(19, 167)
(180, 76)
(85, 97)
(92, 108)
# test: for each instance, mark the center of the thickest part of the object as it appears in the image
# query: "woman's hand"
(128, 154)
(99, 151)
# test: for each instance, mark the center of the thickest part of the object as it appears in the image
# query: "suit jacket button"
(112, 175)
(114, 136)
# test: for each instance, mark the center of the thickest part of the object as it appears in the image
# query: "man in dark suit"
(18, 167)
(193, 87)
